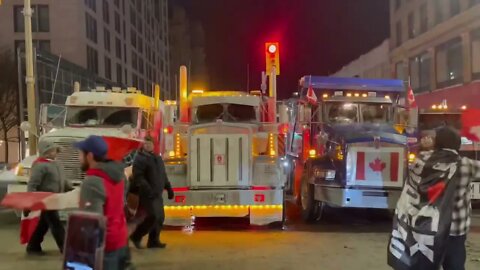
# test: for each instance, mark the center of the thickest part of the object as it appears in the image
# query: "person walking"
(103, 192)
(47, 175)
(150, 178)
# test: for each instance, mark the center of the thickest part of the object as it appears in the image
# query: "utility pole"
(29, 79)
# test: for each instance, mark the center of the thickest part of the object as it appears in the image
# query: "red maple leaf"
(377, 165)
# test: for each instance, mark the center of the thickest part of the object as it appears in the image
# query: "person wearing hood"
(47, 175)
(150, 177)
(447, 141)
(103, 192)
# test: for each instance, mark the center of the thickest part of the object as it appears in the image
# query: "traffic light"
(272, 57)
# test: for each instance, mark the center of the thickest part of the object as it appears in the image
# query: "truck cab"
(346, 149)
(114, 112)
(223, 161)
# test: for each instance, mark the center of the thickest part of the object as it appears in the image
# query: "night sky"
(316, 36)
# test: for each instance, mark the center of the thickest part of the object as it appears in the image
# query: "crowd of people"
(104, 192)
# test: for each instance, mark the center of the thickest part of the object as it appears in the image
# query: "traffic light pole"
(273, 94)
(29, 79)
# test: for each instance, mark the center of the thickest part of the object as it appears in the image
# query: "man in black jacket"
(150, 178)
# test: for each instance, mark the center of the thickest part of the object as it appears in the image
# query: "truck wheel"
(310, 208)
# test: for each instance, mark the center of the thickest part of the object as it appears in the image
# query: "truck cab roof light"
(387, 97)
(338, 93)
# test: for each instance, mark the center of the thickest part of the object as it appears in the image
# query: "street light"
(29, 78)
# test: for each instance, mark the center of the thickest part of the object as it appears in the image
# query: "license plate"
(475, 191)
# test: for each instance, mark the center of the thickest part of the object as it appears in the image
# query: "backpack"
(423, 216)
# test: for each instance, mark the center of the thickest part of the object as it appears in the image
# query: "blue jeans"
(116, 260)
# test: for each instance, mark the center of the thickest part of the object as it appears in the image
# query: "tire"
(310, 208)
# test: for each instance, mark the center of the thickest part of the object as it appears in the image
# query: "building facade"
(436, 44)
(373, 64)
(123, 42)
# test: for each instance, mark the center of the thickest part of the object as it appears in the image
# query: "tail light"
(271, 145)
(339, 152)
(178, 146)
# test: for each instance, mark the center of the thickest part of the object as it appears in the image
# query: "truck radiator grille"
(69, 158)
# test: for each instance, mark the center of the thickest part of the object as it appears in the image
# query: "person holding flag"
(47, 175)
(103, 192)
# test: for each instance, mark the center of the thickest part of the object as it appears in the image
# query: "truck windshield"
(346, 113)
(101, 116)
(431, 121)
(226, 112)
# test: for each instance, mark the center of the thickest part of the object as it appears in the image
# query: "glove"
(26, 212)
(171, 194)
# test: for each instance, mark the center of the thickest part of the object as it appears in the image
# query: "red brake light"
(180, 189)
(169, 130)
(260, 188)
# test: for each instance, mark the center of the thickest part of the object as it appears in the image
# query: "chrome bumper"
(358, 198)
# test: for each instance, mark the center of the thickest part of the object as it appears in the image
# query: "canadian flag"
(118, 148)
(411, 98)
(471, 124)
(311, 97)
(377, 167)
(28, 224)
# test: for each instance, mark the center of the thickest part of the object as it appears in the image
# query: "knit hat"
(447, 137)
(45, 146)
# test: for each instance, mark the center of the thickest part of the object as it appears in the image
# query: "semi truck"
(344, 147)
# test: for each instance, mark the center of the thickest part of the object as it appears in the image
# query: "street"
(350, 239)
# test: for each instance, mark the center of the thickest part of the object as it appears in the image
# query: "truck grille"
(69, 158)
(219, 160)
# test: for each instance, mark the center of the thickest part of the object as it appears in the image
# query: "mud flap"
(265, 216)
(178, 217)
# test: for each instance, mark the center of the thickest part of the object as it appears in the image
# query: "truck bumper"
(358, 198)
(262, 207)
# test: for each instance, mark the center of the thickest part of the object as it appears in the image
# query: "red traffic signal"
(272, 57)
(272, 48)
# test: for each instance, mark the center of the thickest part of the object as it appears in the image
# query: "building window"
(438, 6)
(140, 65)
(454, 7)
(476, 54)
(450, 63)
(399, 71)
(398, 32)
(140, 24)
(40, 45)
(423, 18)
(134, 60)
(92, 4)
(40, 18)
(91, 24)
(108, 68)
(134, 80)
(92, 60)
(420, 72)
(140, 44)
(106, 39)
(106, 12)
(133, 17)
(133, 38)
(118, 48)
(119, 74)
(411, 26)
(117, 23)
